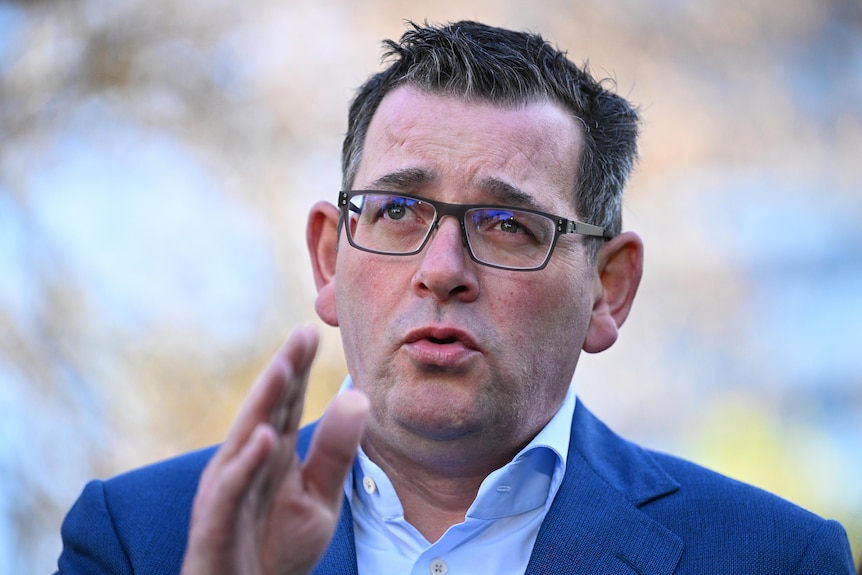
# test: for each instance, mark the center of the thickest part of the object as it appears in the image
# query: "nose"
(446, 271)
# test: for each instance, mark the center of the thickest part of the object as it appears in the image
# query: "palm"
(258, 509)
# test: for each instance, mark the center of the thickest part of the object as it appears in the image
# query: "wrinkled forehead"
(422, 142)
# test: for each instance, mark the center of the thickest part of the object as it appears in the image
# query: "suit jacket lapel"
(594, 525)
(340, 557)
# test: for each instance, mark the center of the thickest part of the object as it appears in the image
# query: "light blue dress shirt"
(501, 525)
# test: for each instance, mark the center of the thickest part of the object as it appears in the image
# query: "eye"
(510, 226)
(394, 210)
(505, 221)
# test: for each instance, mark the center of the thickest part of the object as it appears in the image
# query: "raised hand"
(258, 508)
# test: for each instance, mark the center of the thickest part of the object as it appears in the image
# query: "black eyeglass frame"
(459, 211)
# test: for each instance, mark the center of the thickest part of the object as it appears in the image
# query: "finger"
(271, 398)
(300, 355)
(334, 445)
(224, 487)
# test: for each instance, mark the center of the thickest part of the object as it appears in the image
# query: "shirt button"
(369, 485)
(438, 567)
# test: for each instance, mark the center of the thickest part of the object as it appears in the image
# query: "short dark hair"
(482, 63)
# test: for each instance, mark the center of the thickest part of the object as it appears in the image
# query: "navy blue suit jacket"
(621, 510)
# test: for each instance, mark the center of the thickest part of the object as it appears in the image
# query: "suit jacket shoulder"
(134, 523)
(623, 509)
(137, 522)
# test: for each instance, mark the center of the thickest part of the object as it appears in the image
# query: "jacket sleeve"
(90, 542)
(828, 553)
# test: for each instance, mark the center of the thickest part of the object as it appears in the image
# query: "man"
(476, 249)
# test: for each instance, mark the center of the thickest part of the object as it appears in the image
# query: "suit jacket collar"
(594, 525)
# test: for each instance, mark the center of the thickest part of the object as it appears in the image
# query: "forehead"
(471, 152)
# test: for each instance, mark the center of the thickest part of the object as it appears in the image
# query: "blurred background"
(158, 159)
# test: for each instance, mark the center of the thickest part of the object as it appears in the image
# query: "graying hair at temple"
(508, 68)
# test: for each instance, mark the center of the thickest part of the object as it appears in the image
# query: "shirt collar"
(532, 478)
(529, 481)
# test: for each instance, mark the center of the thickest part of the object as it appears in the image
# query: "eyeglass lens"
(496, 235)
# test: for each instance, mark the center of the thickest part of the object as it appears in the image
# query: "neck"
(433, 503)
(435, 492)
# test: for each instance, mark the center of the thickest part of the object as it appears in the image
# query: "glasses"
(497, 236)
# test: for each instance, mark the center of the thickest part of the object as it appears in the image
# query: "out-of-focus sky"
(158, 159)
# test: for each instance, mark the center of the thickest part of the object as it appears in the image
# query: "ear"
(322, 240)
(619, 269)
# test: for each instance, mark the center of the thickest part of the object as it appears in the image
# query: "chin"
(441, 423)
(441, 432)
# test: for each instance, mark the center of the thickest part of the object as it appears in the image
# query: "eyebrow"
(507, 194)
(404, 180)
(410, 179)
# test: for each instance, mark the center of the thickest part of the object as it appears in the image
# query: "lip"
(440, 346)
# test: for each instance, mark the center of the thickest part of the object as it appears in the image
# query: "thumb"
(334, 445)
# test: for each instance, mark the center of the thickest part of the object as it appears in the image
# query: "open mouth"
(441, 340)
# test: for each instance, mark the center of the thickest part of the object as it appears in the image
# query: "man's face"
(459, 358)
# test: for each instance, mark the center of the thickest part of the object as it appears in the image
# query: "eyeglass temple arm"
(573, 227)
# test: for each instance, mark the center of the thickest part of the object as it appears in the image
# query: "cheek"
(355, 298)
(549, 304)
(554, 316)
(367, 290)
